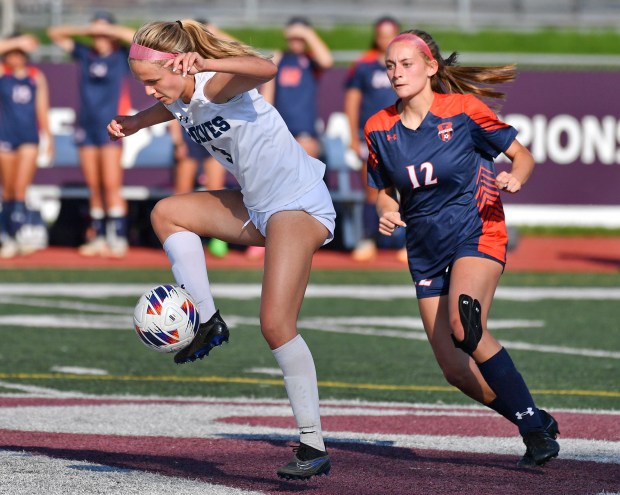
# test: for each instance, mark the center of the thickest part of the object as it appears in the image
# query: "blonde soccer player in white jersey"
(209, 86)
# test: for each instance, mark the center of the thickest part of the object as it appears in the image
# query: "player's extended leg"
(292, 239)
(90, 165)
(8, 167)
(24, 174)
(214, 174)
(472, 285)
(458, 368)
(179, 221)
(185, 175)
(116, 205)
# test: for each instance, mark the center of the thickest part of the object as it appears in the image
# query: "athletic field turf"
(86, 408)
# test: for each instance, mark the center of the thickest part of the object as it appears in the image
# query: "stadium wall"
(575, 141)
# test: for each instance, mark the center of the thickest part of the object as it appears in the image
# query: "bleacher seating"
(346, 190)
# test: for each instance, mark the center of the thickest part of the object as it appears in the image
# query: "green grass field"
(567, 349)
(357, 37)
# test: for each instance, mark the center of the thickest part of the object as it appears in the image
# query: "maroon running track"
(359, 468)
(535, 254)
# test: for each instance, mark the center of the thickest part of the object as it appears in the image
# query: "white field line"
(38, 391)
(24, 474)
(343, 325)
(252, 291)
(204, 421)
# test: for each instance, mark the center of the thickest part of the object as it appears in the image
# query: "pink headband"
(417, 41)
(139, 52)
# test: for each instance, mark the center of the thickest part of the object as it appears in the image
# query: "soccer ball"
(166, 318)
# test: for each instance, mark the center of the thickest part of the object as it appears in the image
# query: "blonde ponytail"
(189, 35)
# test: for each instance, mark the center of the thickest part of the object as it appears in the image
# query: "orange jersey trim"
(382, 121)
(494, 236)
(448, 105)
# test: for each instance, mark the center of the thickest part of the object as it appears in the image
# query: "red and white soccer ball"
(166, 318)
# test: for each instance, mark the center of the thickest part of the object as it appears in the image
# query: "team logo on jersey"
(98, 70)
(391, 137)
(207, 131)
(290, 76)
(445, 131)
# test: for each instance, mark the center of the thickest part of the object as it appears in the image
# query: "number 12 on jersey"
(427, 169)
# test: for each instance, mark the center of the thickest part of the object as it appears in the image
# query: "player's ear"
(432, 67)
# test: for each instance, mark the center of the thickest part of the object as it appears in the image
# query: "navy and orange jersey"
(104, 89)
(445, 175)
(369, 76)
(18, 113)
(296, 92)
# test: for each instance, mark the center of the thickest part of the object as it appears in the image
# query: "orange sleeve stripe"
(494, 234)
(482, 115)
(487, 122)
(448, 105)
(383, 120)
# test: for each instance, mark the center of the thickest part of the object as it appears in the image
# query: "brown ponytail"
(453, 78)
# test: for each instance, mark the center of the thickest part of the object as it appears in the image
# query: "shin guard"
(471, 318)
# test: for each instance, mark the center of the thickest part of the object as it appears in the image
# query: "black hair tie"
(180, 24)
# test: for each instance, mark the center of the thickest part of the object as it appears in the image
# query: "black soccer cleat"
(306, 462)
(209, 335)
(541, 446)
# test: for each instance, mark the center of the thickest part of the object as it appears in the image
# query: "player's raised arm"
(126, 125)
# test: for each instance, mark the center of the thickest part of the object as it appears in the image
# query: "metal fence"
(460, 14)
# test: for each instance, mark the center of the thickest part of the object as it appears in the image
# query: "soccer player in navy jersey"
(431, 158)
(368, 90)
(24, 109)
(294, 90)
(104, 93)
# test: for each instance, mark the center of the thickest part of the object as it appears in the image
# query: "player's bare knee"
(160, 215)
(470, 315)
(455, 375)
(268, 326)
(456, 326)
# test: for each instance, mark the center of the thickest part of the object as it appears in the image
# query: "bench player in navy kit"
(24, 109)
(368, 90)
(431, 158)
(104, 93)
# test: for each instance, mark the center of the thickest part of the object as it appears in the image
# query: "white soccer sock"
(297, 364)
(189, 267)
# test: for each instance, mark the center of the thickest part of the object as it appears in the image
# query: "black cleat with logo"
(306, 462)
(541, 446)
(209, 335)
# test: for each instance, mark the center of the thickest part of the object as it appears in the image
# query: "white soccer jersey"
(250, 139)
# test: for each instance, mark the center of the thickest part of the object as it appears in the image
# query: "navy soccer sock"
(97, 222)
(18, 217)
(502, 409)
(4, 220)
(500, 373)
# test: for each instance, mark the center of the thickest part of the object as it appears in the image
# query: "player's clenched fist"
(121, 126)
